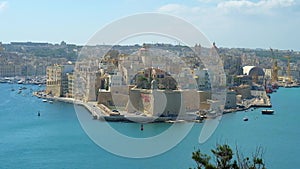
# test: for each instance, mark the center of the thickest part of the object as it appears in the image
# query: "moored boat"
(269, 90)
(20, 82)
(267, 111)
(275, 86)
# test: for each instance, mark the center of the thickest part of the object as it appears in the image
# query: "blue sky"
(233, 23)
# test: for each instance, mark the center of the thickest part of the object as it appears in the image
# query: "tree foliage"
(224, 159)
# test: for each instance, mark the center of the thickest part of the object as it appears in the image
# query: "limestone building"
(57, 79)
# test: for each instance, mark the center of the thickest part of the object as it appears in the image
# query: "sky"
(231, 23)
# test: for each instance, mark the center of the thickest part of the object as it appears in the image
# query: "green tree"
(223, 155)
(142, 82)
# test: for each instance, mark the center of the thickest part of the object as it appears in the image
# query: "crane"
(289, 78)
(274, 68)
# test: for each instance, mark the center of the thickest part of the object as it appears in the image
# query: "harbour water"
(56, 139)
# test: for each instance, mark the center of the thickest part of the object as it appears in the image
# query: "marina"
(35, 80)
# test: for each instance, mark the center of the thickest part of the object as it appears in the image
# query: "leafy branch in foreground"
(223, 156)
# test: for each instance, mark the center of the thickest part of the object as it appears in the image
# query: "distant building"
(256, 73)
(185, 79)
(268, 73)
(202, 79)
(8, 70)
(244, 91)
(164, 80)
(85, 77)
(57, 79)
(242, 80)
(128, 67)
(115, 79)
(230, 100)
(295, 75)
(70, 77)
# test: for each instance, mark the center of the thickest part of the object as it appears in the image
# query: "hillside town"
(159, 81)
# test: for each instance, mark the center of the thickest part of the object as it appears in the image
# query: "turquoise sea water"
(56, 139)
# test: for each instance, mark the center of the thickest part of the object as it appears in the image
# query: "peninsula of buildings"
(151, 82)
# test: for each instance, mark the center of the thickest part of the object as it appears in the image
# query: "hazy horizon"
(233, 24)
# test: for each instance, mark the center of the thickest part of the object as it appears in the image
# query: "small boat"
(50, 101)
(275, 86)
(44, 100)
(269, 90)
(95, 117)
(245, 119)
(170, 121)
(267, 111)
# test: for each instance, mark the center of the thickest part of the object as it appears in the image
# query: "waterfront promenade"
(101, 112)
(92, 107)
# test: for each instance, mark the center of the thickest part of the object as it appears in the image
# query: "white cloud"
(170, 8)
(247, 6)
(221, 7)
(205, 1)
(244, 23)
(210, 1)
(3, 5)
(177, 9)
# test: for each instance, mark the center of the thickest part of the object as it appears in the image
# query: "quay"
(261, 99)
(102, 113)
